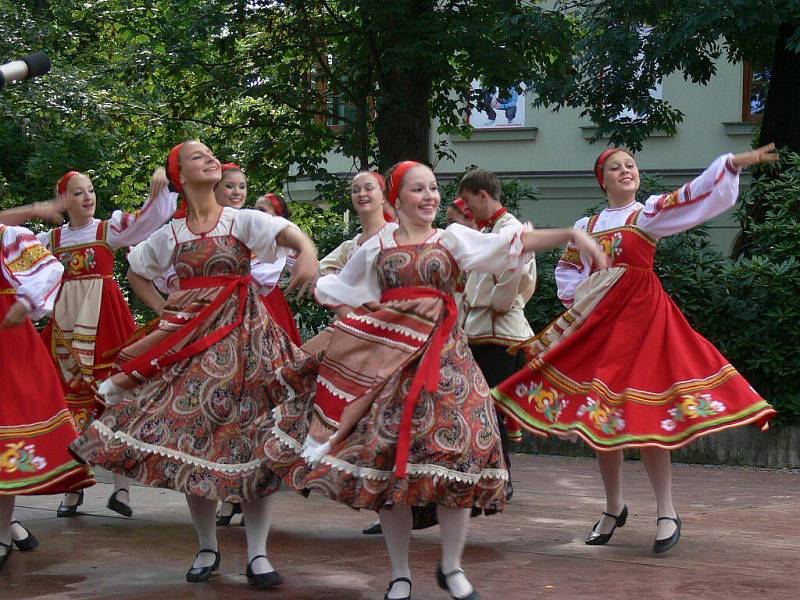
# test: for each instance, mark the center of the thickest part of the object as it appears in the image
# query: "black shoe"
(441, 579)
(509, 491)
(29, 543)
(118, 506)
(660, 546)
(5, 556)
(391, 584)
(200, 574)
(262, 581)
(69, 510)
(223, 520)
(374, 529)
(599, 539)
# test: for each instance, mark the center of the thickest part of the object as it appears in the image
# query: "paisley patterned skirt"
(455, 457)
(200, 425)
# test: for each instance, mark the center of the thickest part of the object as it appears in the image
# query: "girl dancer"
(622, 368)
(269, 274)
(367, 196)
(91, 319)
(190, 407)
(418, 426)
(35, 425)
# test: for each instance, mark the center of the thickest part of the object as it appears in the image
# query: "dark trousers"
(497, 365)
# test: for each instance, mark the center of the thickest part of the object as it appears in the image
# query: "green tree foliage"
(623, 47)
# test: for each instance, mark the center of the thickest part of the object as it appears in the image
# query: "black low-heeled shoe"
(391, 585)
(200, 574)
(262, 581)
(374, 529)
(223, 520)
(5, 556)
(117, 505)
(599, 539)
(441, 579)
(665, 544)
(69, 510)
(27, 544)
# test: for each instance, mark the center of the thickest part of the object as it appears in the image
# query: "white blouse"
(31, 270)
(256, 230)
(124, 229)
(710, 194)
(472, 250)
(335, 261)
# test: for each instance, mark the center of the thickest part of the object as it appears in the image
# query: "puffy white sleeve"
(258, 230)
(266, 275)
(30, 268)
(485, 252)
(167, 282)
(128, 229)
(44, 238)
(710, 194)
(337, 259)
(357, 283)
(153, 257)
(572, 269)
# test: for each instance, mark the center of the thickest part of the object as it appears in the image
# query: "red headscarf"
(174, 177)
(231, 166)
(601, 160)
(397, 179)
(62, 183)
(276, 203)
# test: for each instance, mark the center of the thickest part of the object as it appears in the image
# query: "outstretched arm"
(46, 211)
(545, 239)
(306, 266)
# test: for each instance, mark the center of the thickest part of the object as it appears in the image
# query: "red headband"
(62, 183)
(397, 178)
(461, 207)
(601, 160)
(230, 166)
(276, 204)
(174, 168)
(379, 178)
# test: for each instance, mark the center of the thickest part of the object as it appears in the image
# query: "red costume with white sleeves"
(622, 367)
(35, 425)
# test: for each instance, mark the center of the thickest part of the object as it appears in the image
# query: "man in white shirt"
(493, 306)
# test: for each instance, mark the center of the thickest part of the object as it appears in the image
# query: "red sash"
(147, 364)
(428, 371)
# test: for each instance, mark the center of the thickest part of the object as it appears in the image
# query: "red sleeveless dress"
(91, 322)
(630, 371)
(35, 425)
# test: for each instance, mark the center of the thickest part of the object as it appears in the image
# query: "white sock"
(396, 524)
(204, 517)
(122, 485)
(257, 518)
(453, 527)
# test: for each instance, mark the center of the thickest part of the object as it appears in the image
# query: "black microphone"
(32, 65)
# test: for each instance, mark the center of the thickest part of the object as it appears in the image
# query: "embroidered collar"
(492, 220)
(618, 208)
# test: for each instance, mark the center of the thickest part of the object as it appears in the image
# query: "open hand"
(765, 154)
(15, 316)
(304, 274)
(158, 182)
(588, 246)
(52, 210)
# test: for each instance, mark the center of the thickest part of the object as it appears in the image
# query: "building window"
(754, 94)
(341, 112)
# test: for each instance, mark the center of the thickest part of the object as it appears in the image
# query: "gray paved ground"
(741, 540)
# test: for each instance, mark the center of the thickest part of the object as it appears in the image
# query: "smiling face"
(198, 165)
(419, 199)
(621, 178)
(81, 200)
(232, 190)
(366, 194)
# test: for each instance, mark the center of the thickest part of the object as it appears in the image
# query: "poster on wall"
(494, 108)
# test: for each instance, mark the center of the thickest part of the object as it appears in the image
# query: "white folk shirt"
(494, 304)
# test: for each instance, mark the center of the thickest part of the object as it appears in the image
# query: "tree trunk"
(402, 123)
(781, 122)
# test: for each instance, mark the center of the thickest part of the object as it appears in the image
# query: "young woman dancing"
(418, 426)
(190, 408)
(622, 368)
